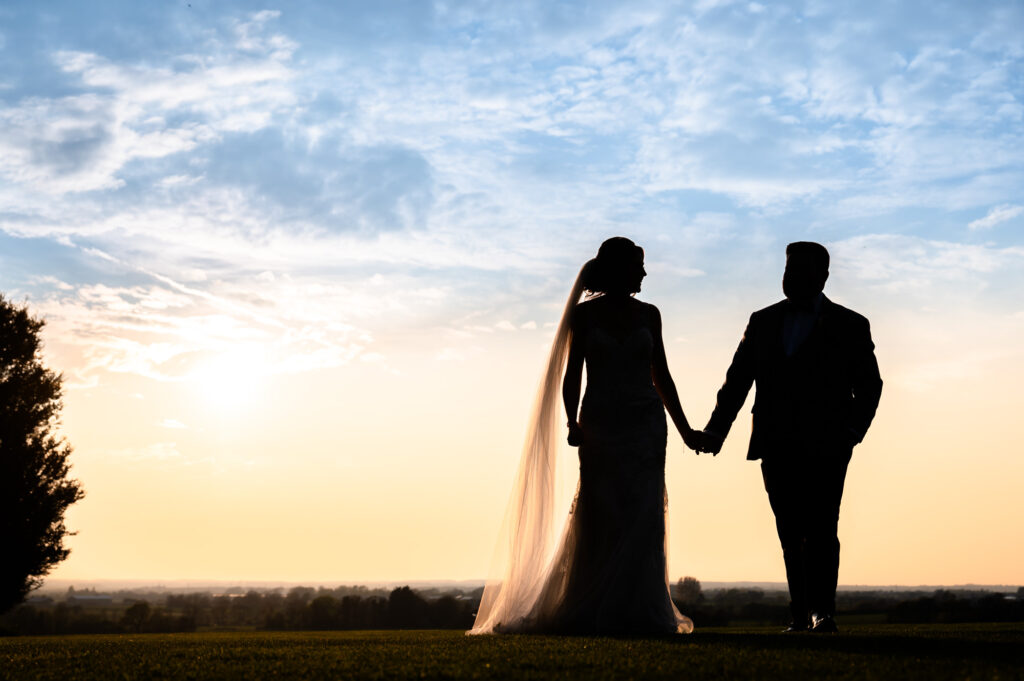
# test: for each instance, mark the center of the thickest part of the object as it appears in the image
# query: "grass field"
(981, 651)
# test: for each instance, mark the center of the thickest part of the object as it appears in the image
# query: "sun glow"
(232, 381)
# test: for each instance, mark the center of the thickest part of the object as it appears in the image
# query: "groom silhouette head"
(806, 271)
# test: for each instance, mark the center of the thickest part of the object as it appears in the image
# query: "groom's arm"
(738, 380)
(867, 382)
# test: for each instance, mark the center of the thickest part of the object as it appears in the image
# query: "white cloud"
(83, 142)
(905, 264)
(170, 332)
(178, 180)
(309, 198)
(995, 216)
(252, 37)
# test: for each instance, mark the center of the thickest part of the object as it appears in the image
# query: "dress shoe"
(796, 627)
(824, 624)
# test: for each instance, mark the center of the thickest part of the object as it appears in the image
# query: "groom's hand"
(711, 442)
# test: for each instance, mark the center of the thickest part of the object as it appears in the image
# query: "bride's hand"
(694, 439)
(575, 434)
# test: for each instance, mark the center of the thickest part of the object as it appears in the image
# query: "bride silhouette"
(607, 574)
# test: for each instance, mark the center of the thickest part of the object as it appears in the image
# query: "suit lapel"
(822, 326)
(777, 347)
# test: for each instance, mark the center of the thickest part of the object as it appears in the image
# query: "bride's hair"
(610, 271)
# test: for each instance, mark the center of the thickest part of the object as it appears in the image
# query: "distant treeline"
(725, 607)
(301, 608)
(304, 608)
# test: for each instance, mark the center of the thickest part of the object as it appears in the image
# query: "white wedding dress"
(607, 574)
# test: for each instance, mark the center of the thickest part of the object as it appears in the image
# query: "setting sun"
(232, 381)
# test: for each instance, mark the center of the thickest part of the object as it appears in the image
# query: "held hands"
(694, 439)
(702, 441)
(712, 442)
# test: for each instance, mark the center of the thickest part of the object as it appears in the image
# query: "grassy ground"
(932, 652)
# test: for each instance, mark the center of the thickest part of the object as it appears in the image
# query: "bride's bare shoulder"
(650, 308)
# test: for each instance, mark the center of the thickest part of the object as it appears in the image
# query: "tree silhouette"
(407, 609)
(134, 618)
(35, 490)
(689, 592)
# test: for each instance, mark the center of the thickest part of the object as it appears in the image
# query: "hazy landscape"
(137, 608)
(57, 587)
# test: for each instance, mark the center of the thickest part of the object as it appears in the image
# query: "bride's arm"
(666, 387)
(573, 379)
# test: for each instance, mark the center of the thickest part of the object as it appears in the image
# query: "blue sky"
(480, 152)
(488, 134)
(375, 184)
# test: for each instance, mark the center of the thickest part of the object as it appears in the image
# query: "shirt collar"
(815, 308)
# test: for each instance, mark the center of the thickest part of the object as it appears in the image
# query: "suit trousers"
(805, 488)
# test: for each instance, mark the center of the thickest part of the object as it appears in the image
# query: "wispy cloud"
(168, 333)
(904, 264)
(244, 180)
(129, 111)
(996, 216)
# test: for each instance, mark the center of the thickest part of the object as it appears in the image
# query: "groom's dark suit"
(817, 390)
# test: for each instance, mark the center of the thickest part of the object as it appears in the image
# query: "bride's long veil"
(526, 537)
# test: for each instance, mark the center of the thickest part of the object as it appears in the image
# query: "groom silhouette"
(817, 390)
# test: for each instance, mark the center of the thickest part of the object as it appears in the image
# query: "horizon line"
(64, 583)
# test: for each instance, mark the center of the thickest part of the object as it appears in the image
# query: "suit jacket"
(821, 398)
